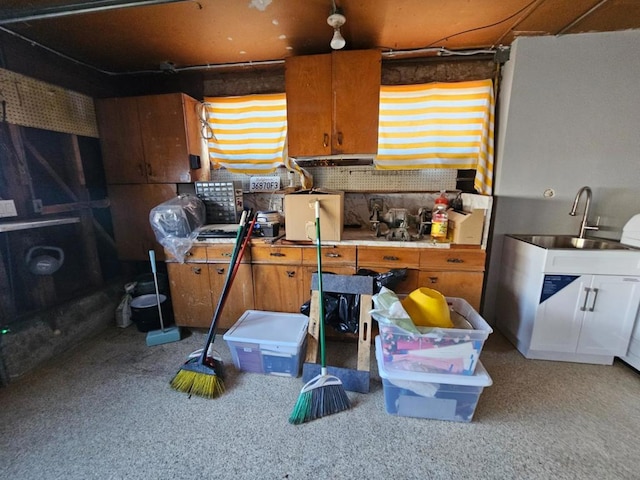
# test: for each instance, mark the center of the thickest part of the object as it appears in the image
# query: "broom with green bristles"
(324, 394)
(199, 376)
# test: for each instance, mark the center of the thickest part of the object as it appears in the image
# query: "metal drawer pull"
(325, 140)
(197, 270)
(220, 270)
(390, 257)
(583, 308)
(340, 138)
(455, 260)
(225, 254)
(433, 279)
(277, 254)
(595, 297)
(188, 254)
(149, 171)
(291, 273)
(333, 255)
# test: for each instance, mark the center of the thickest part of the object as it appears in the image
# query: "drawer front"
(222, 253)
(282, 255)
(388, 257)
(467, 285)
(469, 260)
(197, 254)
(331, 255)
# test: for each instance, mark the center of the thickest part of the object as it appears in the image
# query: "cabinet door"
(120, 141)
(610, 311)
(240, 296)
(190, 294)
(130, 206)
(278, 288)
(467, 285)
(165, 136)
(356, 77)
(309, 104)
(558, 318)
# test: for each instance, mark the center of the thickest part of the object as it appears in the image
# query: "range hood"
(335, 160)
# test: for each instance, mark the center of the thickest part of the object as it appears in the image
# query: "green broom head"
(199, 378)
(320, 396)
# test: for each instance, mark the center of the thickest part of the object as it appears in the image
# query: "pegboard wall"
(360, 179)
(31, 103)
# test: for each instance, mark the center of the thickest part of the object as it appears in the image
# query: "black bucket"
(144, 312)
(146, 285)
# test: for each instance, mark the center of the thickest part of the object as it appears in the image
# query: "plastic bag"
(176, 222)
(388, 310)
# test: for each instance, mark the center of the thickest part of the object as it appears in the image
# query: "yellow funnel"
(428, 308)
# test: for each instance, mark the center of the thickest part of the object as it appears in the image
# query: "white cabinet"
(567, 305)
(586, 314)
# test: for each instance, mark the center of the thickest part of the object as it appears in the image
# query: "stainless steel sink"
(571, 242)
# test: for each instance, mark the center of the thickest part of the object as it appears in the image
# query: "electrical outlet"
(376, 203)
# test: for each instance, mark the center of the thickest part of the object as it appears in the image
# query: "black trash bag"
(390, 279)
(342, 310)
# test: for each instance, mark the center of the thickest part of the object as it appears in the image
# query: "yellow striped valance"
(438, 125)
(248, 132)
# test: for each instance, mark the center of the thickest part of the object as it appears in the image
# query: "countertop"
(350, 236)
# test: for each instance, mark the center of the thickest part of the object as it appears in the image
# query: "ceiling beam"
(28, 14)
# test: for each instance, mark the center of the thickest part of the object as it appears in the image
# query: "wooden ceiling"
(126, 36)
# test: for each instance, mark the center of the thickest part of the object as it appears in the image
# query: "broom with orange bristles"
(199, 375)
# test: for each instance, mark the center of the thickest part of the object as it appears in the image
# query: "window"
(247, 133)
(438, 125)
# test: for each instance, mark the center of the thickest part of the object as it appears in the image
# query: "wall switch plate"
(376, 203)
(8, 209)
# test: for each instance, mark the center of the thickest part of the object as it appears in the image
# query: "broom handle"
(323, 359)
(152, 258)
(225, 289)
(247, 240)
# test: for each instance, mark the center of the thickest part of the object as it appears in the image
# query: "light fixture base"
(336, 20)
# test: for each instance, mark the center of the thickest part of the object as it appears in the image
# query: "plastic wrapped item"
(175, 223)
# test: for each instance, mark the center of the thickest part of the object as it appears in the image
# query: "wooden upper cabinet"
(333, 103)
(149, 139)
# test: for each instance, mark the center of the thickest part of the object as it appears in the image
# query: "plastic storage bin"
(268, 342)
(437, 350)
(431, 395)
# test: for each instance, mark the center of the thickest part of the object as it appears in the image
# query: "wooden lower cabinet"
(196, 286)
(467, 285)
(190, 289)
(278, 288)
(278, 278)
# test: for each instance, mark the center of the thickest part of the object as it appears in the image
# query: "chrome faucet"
(584, 225)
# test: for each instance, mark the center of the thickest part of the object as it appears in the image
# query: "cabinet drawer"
(197, 254)
(467, 285)
(222, 253)
(282, 255)
(388, 257)
(454, 259)
(331, 255)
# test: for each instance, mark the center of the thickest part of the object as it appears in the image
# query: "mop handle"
(152, 258)
(323, 361)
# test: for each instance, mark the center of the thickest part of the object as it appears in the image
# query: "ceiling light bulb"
(338, 41)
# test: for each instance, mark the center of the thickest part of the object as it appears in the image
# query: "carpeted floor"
(105, 411)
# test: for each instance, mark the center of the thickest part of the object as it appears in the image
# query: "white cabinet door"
(610, 312)
(558, 318)
(586, 314)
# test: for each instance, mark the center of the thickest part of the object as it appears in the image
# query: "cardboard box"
(299, 214)
(466, 227)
